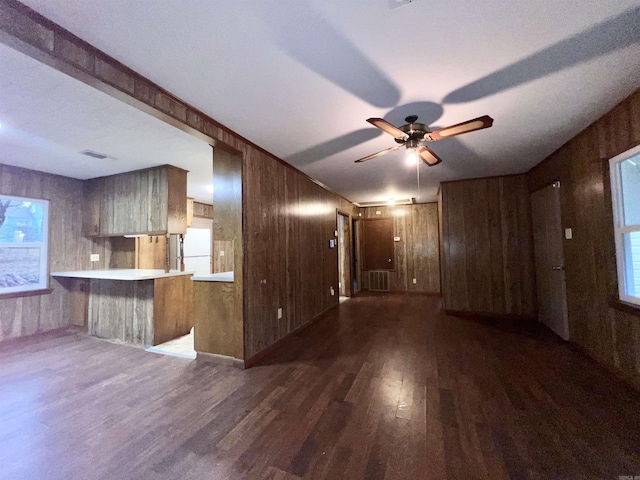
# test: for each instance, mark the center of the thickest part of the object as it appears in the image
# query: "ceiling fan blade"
(465, 127)
(385, 126)
(383, 152)
(429, 157)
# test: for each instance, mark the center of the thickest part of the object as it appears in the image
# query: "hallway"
(382, 387)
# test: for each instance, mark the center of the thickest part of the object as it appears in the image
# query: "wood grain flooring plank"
(383, 387)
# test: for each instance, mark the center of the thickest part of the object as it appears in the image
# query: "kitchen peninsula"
(137, 306)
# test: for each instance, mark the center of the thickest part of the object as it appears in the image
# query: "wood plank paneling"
(288, 222)
(151, 252)
(418, 251)
(122, 310)
(608, 334)
(223, 256)
(488, 252)
(218, 319)
(172, 308)
(68, 250)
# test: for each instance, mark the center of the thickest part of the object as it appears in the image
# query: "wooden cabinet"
(150, 201)
(92, 190)
(189, 211)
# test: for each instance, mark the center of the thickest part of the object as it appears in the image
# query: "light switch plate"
(568, 233)
(222, 253)
(95, 257)
(279, 313)
(332, 243)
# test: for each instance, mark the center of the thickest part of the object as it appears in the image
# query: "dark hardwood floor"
(383, 387)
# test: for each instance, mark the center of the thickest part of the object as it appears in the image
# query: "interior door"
(378, 248)
(344, 255)
(549, 257)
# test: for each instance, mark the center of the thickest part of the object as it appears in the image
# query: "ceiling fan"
(413, 134)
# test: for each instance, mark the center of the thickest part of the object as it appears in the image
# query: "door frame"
(349, 248)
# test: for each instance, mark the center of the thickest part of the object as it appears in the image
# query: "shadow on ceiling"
(325, 49)
(333, 146)
(312, 41)
(611, 35)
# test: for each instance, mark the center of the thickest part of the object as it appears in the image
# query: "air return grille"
(379, 280)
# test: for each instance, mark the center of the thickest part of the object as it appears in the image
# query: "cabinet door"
(155, 189)
(93, 203)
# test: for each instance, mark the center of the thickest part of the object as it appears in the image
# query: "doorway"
(549, 258)
(344, 255)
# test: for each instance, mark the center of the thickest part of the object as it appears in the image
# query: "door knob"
(557, 267)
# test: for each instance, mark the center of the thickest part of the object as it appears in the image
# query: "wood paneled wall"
(282, 206)
(417, 254)
(601, 326)
(227, 237)
(68, 250)
(288, 222)
(487, 257)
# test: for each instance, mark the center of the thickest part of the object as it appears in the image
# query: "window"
(625, 189)
(24, 232)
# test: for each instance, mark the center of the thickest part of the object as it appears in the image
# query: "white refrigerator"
(197, 251)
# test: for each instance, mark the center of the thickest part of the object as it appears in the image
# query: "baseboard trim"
(490, 316)
(632, 381)
(398, 292)
(206, 357)
(253, 360)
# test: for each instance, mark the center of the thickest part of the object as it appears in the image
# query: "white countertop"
(121, 274)
(214, 277)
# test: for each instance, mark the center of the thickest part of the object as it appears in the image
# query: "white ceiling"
(299, 78)
(48, 117)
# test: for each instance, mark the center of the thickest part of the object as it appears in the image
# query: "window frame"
(619, 227)
(43, 284)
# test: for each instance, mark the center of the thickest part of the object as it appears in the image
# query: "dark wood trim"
(206, 357)
(29, 32)
(351, 272)
(30, 293)
(489, 315)
(623, 306)
(478, 178)
(227, 148)
(254, 360)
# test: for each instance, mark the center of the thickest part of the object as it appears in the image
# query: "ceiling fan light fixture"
(412, 155)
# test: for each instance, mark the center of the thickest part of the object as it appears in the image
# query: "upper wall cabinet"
(150, 201)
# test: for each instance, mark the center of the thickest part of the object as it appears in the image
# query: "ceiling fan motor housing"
(415, 131)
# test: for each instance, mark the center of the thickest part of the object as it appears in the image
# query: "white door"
(550, 276)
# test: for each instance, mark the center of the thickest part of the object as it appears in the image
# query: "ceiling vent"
(91, 153)
(399, 3)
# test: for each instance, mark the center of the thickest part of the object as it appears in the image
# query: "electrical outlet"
(279, 313)
(95, 257)
(415, 281)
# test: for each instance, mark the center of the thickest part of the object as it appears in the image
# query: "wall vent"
(379, 280)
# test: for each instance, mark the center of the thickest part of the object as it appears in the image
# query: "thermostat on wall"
(396, 239)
